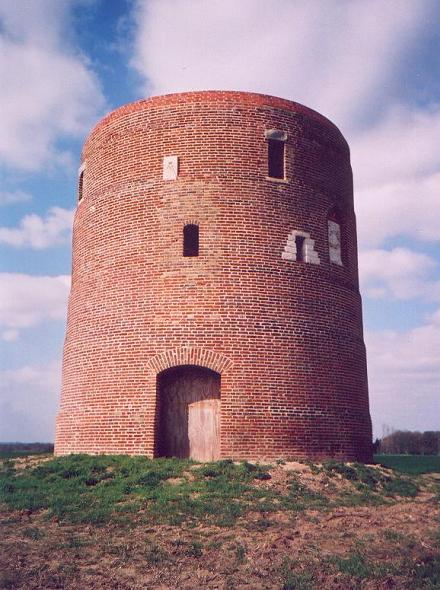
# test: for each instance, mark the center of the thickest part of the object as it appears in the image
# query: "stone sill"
(278, 180)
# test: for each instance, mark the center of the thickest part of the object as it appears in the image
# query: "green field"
(411, 464)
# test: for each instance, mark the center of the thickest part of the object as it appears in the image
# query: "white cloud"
(40, 21)
(28, 402)
(398, 274)
(39, 233)
(404, 377)
(333, 56)
(26, 301)
(11, 197)
(408, 208)
(396, 166)
(402, 145)
(34, 376)
(10, 335)
(48, 90)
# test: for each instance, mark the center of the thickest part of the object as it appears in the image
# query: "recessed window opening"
(191, 240)
(80, 186)
(276, 158)
(299, 243)
(335, 238)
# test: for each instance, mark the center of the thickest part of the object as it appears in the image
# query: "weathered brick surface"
(285, 336)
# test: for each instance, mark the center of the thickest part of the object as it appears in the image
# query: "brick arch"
(191, 221)
(189, 356)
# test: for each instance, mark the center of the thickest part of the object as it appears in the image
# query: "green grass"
(410, 464)
(356, 472)
(425, 574)
(401, 487)
(292, 579)
(33, 533)
(370, 483)
(94, 489)
(81, 488)
(240, 553)
(358, 567)
(422, 573)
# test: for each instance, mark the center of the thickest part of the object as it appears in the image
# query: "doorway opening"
(188, 413)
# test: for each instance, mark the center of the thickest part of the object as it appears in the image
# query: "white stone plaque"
(334, 242)
(170, 167)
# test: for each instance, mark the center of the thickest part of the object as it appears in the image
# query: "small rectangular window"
(80, 186)
(191, 240)
(276, 158)
(299, 243)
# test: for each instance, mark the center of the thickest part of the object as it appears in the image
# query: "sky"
(372, 67)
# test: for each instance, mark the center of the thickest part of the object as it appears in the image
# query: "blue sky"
(372, 67)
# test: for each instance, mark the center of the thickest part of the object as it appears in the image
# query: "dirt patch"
(30, 461)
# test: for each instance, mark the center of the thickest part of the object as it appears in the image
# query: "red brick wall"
(286, 336)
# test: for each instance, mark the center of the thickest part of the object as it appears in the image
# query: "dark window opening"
(299, 243)
(80, 186)
(276, 158)
(191, 240)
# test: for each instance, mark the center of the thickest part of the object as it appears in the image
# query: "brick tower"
(215, 309)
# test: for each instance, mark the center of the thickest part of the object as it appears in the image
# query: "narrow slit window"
(191, 240)
(80, 185)
(276, 158)
(299, 243)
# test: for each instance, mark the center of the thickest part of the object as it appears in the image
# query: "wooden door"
(178, 388)
(204, 430)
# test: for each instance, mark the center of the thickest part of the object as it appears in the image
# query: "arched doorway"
(188, 413)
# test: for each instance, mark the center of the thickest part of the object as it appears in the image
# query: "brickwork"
(285, 336)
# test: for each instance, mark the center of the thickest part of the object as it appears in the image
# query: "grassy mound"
(131, 523)
(93, 489)
(82, 488)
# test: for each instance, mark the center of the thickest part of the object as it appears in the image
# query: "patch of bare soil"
(391, 545)
(31, 461)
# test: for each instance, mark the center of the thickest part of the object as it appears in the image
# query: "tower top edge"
(226, 97)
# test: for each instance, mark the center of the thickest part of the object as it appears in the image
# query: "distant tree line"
(13, 447)
(405, 442)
